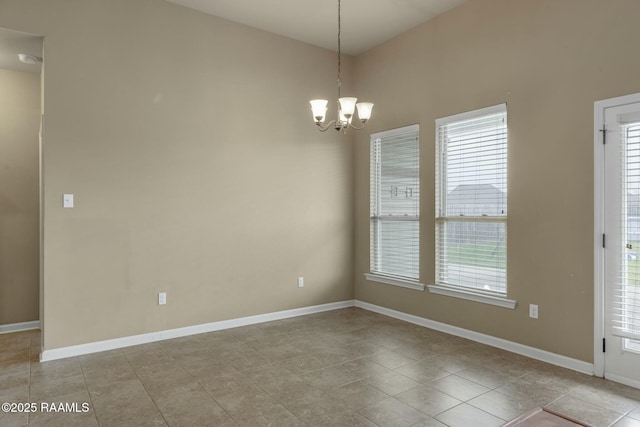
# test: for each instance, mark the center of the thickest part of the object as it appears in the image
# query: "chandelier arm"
(326, 126)
(351, 125)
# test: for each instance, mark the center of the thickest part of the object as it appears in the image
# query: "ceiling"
(14, 42)
(365, 23)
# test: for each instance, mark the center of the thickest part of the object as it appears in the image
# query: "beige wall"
(188, 144)
(549, 60)
(19, 126)
(196, 167)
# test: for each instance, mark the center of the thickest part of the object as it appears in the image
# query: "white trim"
(598, 229)
(470, 295)
(396, 281)
(525, 350)
(19, 327)
(500, 108)
(112, 344)
(392, 132)
(623, 380)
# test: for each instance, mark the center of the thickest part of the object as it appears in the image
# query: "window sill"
(396, 281)
(470, 295)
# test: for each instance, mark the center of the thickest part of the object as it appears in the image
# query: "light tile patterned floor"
(346, 367)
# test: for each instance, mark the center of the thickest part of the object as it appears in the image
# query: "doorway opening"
(20, 181)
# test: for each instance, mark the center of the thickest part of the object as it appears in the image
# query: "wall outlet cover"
(533, 311)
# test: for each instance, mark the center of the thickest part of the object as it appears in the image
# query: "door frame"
(598, 218)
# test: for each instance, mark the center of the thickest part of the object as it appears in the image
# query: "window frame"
(493, 297)
(375, 274)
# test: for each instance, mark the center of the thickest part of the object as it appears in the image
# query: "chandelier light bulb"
(318, 109)
(348, 106)
(364, 111)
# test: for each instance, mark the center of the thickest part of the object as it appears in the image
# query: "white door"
(620, 136)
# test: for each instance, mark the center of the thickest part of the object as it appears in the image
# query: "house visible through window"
(395, 206)
(471, 201)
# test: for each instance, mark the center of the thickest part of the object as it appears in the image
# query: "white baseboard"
(19, 327)
(525, 350)
(112, 344)
(623, 380)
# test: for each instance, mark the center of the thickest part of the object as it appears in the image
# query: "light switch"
(67, 200)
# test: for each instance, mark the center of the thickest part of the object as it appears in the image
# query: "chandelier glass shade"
(346, 105)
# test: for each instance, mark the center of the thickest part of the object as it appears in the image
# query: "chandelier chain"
(339, 49)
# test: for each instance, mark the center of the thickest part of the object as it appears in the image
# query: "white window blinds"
(471, 200)
(395, 203)
(626, 293)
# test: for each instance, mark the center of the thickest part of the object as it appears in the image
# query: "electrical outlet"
(301, 282)
(162, 298)
(533, 311)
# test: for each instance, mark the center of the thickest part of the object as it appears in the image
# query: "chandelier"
(346, 105)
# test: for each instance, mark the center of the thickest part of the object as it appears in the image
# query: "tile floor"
(346, 367)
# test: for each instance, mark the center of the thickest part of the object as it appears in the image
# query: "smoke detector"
(29, 59)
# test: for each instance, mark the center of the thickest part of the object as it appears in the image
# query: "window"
(471, 205)
(395, 207)
(625, 298)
